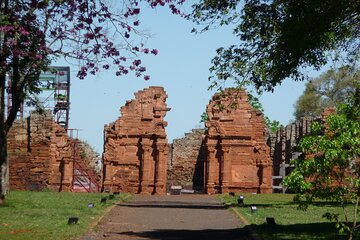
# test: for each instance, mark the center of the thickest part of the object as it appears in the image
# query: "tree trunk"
(4, 169)
(4, 175)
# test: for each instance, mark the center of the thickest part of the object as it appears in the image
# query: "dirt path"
(199, 217)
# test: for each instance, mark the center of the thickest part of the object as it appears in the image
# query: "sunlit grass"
(44, 215)
(291, 223)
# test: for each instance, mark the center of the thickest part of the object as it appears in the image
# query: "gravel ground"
(172, 217)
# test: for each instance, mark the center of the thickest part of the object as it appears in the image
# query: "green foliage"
(272, 125)
(332, 171)
(204, 117)
(328, 90)
(255, 102)
(278, 39)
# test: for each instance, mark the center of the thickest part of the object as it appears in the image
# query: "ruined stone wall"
(186, 165)
(39, 153)
(89, 156)
(284, 143)
(238, 158)
(136, 148)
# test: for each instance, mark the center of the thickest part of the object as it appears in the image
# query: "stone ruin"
(41, 154)
(136, 147)
(284, 143)
(238, 158)
(231, 155)
(186, 161)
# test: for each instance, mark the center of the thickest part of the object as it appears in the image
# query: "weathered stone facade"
(136, 148)
(284, 143)
(40, 154)
(238, 158)
(186, 163)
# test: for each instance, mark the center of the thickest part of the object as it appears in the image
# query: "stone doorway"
(186, 165)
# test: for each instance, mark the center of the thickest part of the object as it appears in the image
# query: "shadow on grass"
(179, 234)
(263, 205)
(279, 205)
(319, 231)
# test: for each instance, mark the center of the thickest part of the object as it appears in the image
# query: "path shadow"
(173, 204)
(178, 234)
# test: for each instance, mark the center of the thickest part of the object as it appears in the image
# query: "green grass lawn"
(291, 223)
(44, 215)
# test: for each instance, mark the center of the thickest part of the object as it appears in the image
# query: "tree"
(97, 34)
(278, 39)
(332, 169)
(329, 90)
(272, 125)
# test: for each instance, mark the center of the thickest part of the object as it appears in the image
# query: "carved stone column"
(211, 178)
(107, 175)
(225, 169)
(147, 161)
(161, 160)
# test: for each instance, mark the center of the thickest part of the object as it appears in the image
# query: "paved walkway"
(175, 217)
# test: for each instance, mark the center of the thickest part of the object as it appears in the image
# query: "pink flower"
(155, 51)
(147, 77)
(137, 62)
(136, 11)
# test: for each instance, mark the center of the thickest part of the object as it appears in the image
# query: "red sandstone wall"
(136, 147)
(238, 158)
(39, 154)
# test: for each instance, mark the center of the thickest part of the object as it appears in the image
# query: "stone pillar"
(67, 175)
(265, 187)
(211, 171)
(107, 175)
(225, 169)
(147, 162)
(160, 185)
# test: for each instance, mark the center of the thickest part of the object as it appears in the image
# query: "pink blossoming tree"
(98, 34)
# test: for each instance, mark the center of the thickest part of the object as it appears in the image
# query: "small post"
(241, 200)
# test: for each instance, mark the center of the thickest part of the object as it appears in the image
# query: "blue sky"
(181, 67)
